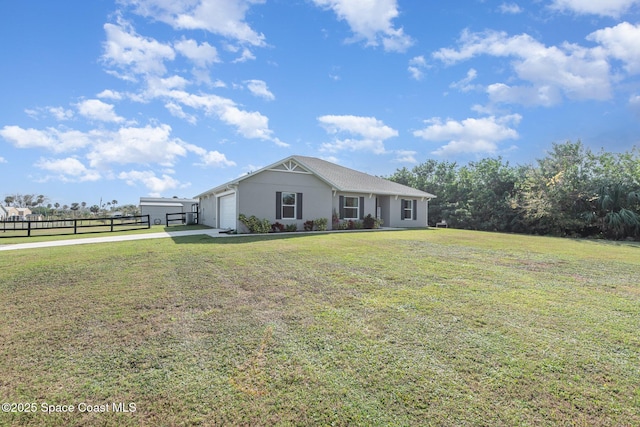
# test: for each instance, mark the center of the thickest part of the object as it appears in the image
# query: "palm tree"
(614, 211)
(74, 207)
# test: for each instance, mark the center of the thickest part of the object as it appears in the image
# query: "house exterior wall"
(257, 196)
(208, 214)
(394, 206)
(369, 203)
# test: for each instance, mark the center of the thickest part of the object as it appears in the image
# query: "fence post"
(111, 220)
(28, 228)
(75, 226)
(148, 221)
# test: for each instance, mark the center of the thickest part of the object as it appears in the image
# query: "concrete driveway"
(209, 232)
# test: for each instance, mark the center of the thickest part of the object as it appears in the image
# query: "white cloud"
(259, 88)
(510, 8)
(3, 160)
(405, 156)
(575, 71)
(51, 139)
(621, 42)
(60, 113)
(110, 94)
(69, 169)
(201, 54)
(135, 145)
(371, 21)
(469, 135)
(249, 124)
(94, 109)
(416, 68)
(177, 111)
(210, 158)
(245, 56)
(134, 54)
(613, 8)
(156, 185)
(370, 133)
(634, 103)
(222, 17)
(465, 85)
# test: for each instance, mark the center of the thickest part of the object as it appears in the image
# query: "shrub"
(369, 222)
(291, 227)
(254, 224)
(354, 225)
(321, 224)
(335, 220)
(308, 225)
(275, 227)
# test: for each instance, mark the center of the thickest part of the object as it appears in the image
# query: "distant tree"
(74, 208)
(9, 200)
(94, 209)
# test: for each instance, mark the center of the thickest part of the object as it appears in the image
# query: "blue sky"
(129, 98)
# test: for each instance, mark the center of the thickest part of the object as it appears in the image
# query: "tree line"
(572, 191)
(40, 204)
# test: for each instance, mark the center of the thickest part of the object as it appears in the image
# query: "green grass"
(10, 237)
(429, 327)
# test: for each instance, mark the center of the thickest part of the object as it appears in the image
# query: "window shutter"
(402, 209)
(299, 206)
(415, 210)
(341, 207)
(361, 207)
(278, 204)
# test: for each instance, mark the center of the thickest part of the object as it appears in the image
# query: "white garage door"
(228, 211)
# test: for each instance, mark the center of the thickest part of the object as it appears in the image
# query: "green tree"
(615, 211)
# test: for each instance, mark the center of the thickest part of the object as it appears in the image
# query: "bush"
(291, 227)
(321, 224)
(275, 227)
(308, 225)
(369, 222)
(254, 224)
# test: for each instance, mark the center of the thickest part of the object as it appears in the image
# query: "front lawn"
(430, 327)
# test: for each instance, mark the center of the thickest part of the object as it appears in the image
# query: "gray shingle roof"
(350, 180)
(340, 178)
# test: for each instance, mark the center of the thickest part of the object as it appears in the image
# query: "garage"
(227, 205)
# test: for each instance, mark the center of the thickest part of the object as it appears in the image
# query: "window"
(288, 205)
(351, 207)
(408, 209)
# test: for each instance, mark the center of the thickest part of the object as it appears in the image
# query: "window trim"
(280, 206)
(412, 210)
(351, 208)
(283, 205)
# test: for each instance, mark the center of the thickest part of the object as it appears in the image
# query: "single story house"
(301, 188)
(158, 207)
